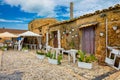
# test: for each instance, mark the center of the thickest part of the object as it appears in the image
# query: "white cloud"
(24, 19)
(46, 7)
(41, 7)
(15, 21)
(82, 7)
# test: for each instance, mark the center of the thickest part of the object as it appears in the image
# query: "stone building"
(40, 26)
(91, 33)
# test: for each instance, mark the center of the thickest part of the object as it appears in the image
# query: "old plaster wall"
(113, 19)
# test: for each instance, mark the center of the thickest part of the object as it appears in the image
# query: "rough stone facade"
(40, 26)
(112, 15)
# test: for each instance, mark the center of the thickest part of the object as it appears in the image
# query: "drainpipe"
(59, 44)
(106, 24)
(103, 15)
(46, 39)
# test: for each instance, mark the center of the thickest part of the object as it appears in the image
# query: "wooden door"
(55, 41)
(88, 40)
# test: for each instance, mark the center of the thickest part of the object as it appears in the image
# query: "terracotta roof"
(15, 31)
(87, 15)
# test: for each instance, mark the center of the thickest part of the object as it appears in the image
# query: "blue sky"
(16, 14)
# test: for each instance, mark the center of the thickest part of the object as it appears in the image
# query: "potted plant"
(40, 54)
(4, 48)
(52, 58)
(25, 49)
(85, 61)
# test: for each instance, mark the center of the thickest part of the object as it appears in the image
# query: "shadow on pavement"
(14, 76)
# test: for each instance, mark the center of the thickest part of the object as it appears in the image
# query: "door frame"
(81, 40)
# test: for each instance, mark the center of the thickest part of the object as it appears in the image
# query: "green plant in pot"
(4, 48)
(85, 60)
(52, 58)
(40, 54)
(25, 49)
(59, 58)
(48, 54)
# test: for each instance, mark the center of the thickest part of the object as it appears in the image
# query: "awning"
(88, 24)
(29, 33)
(7, 34)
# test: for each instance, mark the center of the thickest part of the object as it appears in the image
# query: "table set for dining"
(31, 46)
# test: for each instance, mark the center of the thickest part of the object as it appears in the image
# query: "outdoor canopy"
(7, 34)
(29, 33)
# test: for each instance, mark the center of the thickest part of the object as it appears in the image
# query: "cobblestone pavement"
(18, 65)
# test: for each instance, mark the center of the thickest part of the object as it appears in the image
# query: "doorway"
(88, 40)
(55, 41)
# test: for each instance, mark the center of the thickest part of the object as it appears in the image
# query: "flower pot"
(85, 65)
(25, 51)
(5, 49)
(109, 61)
(41, 56)
(52, 61)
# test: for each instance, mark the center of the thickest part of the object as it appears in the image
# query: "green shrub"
(39, 53)
(3, 48)
(53, 56)
(59, 58)
(48, 54)
(25, 48)
(86, 58)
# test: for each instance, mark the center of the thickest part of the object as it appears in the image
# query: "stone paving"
(18, 65)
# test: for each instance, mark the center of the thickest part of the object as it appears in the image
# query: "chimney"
(71, 10)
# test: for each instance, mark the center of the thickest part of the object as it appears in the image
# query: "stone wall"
(40, 26)
(68, 37)
(113, 19)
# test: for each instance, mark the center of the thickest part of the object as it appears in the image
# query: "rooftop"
(117, 6)
(15, 31)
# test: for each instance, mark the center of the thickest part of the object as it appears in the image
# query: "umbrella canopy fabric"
(29, 33)
(7, 34)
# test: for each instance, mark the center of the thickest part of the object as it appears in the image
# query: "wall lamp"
(72, 29)
(101, 34)
(115, 28)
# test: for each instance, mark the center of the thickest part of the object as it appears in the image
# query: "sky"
(16, 14)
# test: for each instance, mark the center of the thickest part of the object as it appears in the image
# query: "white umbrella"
(29, 33)
(7, 34)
